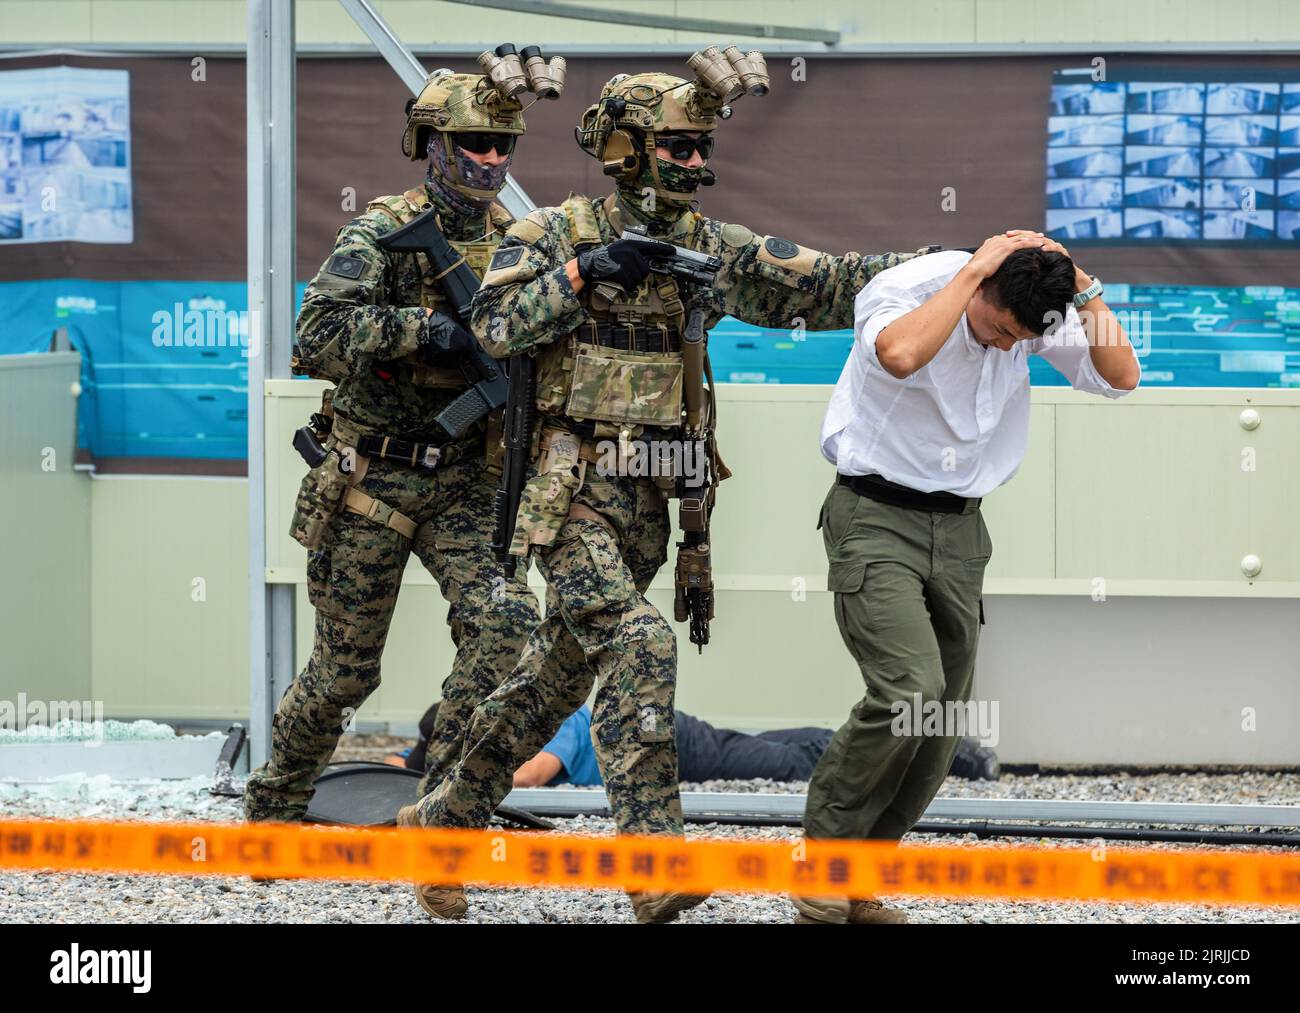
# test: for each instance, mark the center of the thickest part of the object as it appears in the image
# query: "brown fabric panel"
(187, 175)
(855, 157)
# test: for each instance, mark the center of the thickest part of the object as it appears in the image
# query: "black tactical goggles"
(481, 142)
(680, 146)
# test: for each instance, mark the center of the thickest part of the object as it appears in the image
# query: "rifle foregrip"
(462, 413)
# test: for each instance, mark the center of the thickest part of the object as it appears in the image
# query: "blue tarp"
(165, 368)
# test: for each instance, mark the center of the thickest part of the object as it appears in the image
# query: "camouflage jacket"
(363, 317)
(527, 301)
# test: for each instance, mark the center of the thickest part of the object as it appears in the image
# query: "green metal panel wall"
(1147, 493)
(169, 620)
(1116, 490)
(44, 533)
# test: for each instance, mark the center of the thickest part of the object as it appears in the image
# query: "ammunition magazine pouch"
(631, 337)
(625, 388)
(438, 377)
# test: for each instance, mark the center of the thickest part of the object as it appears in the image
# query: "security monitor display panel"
(1158, 159)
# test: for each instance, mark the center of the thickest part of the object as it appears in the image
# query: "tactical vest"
(329, 364)
(621, 370)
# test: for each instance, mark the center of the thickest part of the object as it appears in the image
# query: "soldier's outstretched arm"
(527, 298)
(773, 282)
(343, 300)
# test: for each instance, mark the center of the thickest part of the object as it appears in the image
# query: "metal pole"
(563, 801)
(673, 22)
(413, 75)
(271, 227)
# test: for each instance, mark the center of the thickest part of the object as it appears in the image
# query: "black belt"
(417, 455)
(412, 452)
(632, 337)
(884, 491)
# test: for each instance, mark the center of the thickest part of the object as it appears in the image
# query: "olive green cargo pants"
(908, 602)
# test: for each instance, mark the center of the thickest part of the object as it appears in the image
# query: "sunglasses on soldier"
(481, 142)
(681, 146)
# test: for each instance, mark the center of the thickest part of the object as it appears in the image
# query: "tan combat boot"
(869, 911)
(441, 901)
(653, 908)
(843, 911)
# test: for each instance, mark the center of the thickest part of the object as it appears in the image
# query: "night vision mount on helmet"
(479, 103)
(619, 129)
(461, 103)
(514, 73)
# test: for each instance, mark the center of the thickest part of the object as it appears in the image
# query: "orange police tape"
(524, 859)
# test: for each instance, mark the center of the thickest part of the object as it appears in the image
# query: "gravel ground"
(71, 899)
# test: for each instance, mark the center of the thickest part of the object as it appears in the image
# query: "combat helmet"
(620, 128)
(452, 103)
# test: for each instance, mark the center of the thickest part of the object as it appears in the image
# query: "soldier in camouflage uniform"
(605, 334)
(377, 324)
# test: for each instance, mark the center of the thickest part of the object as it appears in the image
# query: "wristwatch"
(1081, 299)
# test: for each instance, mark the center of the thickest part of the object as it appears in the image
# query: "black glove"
(445, 340)
(621, 262)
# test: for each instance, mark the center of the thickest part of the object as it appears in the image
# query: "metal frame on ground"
(593, 802)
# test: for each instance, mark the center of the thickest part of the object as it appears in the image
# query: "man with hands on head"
(930, 414)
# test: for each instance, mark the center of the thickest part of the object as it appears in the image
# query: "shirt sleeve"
(877, 306)
(1068, 351)
(567, 745)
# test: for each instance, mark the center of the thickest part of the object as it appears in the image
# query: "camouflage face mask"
(646, 200)
(679, 179)
(468, 173)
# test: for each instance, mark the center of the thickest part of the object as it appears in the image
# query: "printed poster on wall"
(65, 156)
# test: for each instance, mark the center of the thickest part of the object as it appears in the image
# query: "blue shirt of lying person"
(572, 746)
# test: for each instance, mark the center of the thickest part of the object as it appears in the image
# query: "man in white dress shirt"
(931, 413)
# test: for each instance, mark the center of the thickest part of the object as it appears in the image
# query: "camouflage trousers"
(599, 630)
(353, 581)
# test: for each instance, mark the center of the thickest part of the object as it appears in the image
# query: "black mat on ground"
(361, 794)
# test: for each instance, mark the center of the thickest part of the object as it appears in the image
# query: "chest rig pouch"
(622, 370)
